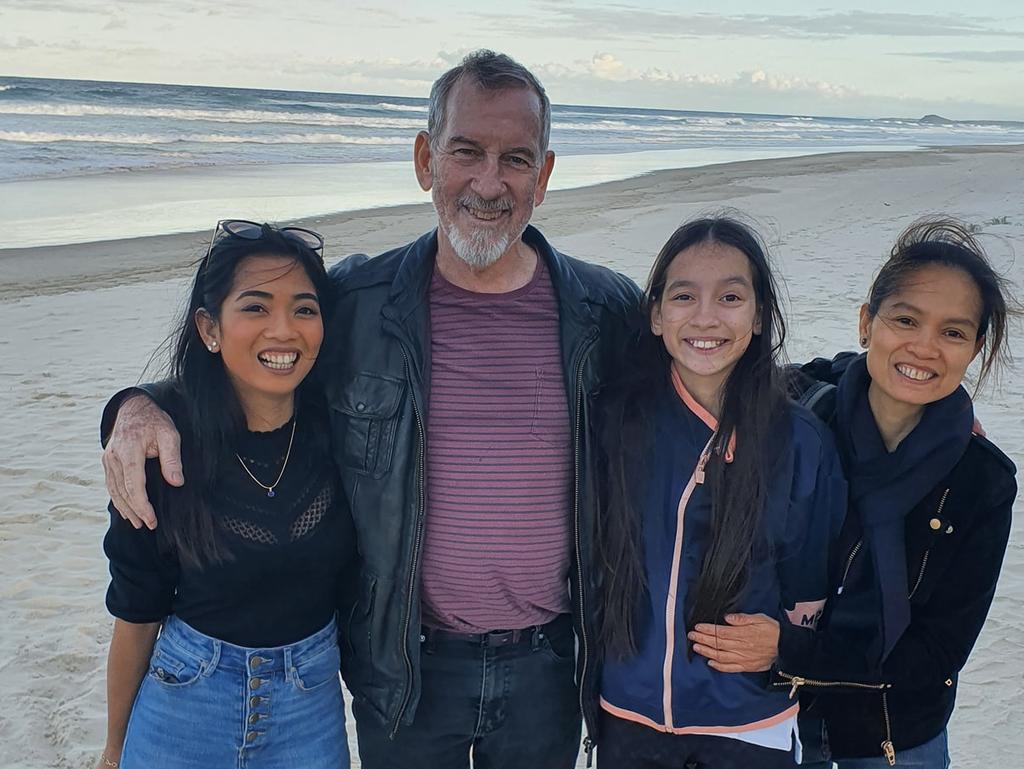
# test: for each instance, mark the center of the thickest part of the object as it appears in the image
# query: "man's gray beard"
(479, 249)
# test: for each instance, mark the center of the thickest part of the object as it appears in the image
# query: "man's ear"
(547, 166)
(422, 155)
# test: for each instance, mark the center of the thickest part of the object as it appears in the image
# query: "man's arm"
(140, 430)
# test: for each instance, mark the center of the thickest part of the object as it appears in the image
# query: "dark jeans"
(507, 704)
(627, 745)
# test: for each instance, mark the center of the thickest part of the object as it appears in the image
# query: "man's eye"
(515, 160)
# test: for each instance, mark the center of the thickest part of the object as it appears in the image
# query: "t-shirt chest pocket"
(365, 407)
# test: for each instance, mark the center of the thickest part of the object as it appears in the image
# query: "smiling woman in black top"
(242, 578)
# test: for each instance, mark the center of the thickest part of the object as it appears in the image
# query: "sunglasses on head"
(241, 228)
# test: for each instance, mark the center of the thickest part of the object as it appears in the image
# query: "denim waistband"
(528, 636)
(221, 654)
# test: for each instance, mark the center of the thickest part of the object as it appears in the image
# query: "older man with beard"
(459, 371)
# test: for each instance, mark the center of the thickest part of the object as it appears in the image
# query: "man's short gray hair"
(492, 72)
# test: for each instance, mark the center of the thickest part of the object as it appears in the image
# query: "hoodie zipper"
(416, 547)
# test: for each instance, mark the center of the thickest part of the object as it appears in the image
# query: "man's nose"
(489, 181)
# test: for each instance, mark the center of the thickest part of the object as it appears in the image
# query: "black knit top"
(280, 578)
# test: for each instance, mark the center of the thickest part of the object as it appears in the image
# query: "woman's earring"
(863, 341)
(212, 346)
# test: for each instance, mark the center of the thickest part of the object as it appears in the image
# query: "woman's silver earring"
(212, 346)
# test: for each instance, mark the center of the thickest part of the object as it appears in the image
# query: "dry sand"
(81, 321)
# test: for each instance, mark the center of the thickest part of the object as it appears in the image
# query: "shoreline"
(88, 318)
(55, 269)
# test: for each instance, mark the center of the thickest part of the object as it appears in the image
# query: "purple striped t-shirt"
(496, 541)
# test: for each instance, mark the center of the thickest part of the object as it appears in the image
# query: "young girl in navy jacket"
(721, 496)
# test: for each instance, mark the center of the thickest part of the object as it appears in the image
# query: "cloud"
(22, 43)
(992, 57)
(620, 21)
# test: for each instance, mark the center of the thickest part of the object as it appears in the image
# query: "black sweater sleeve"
(143, 572)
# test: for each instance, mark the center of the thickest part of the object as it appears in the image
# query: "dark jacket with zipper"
(377, 382)
(955, 540)
(375, 367)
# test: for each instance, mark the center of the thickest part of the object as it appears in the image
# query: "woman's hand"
(749, 643)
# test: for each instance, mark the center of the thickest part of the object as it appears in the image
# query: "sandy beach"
(81, 321)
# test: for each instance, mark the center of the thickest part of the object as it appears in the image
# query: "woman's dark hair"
(206, 409)
(752, 404)
(946, 242)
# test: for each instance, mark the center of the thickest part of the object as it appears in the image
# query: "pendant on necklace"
(270, 493)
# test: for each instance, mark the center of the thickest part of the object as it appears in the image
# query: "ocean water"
(87, 160)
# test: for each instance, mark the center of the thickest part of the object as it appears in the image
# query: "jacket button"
(949, 682)
(360, 406)
(935, 523)
(949, 529)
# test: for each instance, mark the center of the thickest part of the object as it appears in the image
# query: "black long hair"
(205, 407)
(753, 402)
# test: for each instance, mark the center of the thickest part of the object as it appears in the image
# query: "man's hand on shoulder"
(142, 431)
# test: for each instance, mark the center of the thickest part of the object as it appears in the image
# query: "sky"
(862, 59)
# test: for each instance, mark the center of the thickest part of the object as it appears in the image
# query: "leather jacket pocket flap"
(368, 396)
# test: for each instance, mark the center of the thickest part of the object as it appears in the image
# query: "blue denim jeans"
(207, 704)
(933, 754)
(500, 703)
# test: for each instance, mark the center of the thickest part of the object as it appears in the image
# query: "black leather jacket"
(955, 540)
(377, 369)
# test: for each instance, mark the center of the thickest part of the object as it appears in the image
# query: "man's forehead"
(468, 101)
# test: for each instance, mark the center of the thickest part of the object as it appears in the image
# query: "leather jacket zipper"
(420, 462)
(849, 563)
(887, 747)
(585, 350)
(795, 682)
(924, 560)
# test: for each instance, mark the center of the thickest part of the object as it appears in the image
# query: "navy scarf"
(885, 487)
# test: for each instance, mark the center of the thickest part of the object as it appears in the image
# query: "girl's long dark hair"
(205, 408)
(753, 405)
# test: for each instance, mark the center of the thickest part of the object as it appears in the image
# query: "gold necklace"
(280, 475)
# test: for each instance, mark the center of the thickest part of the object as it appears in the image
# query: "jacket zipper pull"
(890, 752)
(797, 682)
(698, 474)
(588, 749)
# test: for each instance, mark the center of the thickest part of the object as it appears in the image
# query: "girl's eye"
(682, 297)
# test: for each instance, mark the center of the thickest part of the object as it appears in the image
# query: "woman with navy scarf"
(929, 517)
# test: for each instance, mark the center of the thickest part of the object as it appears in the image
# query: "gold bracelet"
(107, 762)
